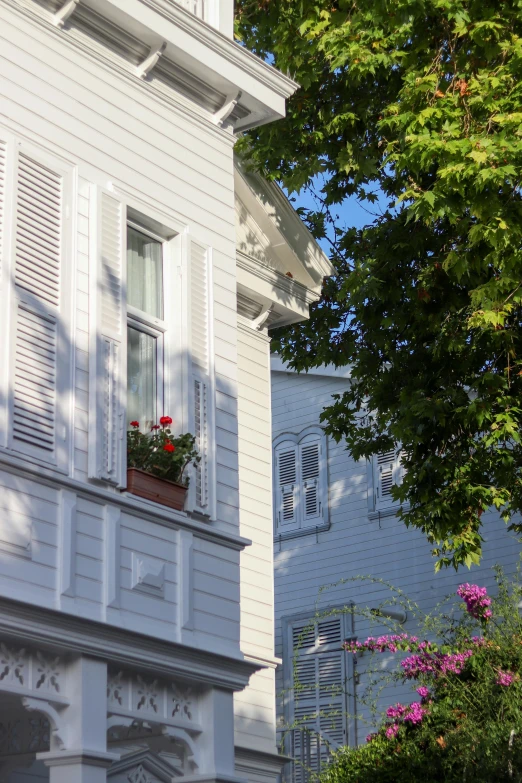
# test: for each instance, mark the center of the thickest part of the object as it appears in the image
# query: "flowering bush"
(160, 453)
(467, 725)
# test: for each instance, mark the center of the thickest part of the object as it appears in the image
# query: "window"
(319, 678)
(301, 487)
(384, 472)
(145, 326)
(145, 358)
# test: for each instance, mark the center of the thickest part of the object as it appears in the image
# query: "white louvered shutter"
(310, 464)
(40, 354)
(388, 472)
(201, 381)
(320, 686)
(107, 435)
(287, 495)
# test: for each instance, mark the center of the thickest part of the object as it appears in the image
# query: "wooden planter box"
(145, 485)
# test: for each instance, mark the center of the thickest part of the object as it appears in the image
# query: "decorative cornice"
(142, 508)
(223, 67)
(224, 46)
(125, 71)
(286, 284)
(65, 633)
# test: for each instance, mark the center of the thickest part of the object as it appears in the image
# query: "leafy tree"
(418, 102)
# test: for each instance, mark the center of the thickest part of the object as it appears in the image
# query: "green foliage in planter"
(467, 723)
(160, 453)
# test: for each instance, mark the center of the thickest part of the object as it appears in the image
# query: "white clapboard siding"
(40, 353)
(108, 355)
(202, 391)
(3, 168)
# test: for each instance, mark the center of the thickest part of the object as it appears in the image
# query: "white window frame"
(149, 324)
(302, 526)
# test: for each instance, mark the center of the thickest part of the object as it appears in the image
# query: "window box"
(150, 487)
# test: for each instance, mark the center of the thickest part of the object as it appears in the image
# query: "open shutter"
(388, 472)
(287, 496)
(319, 673)
(310, 464)
(40, 356)
(107, 445)
(4, 285)
(201, 381)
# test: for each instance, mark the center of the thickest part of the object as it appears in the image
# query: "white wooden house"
(139, 272)
(335, 520)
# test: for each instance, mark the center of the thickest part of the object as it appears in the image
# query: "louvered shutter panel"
(107, 436)
(40, 358)
(201, 368)
(319, 681)
(388, 473)
(287, 496)
(310, 463)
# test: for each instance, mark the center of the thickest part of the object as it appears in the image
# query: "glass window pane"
(142, 368)
(144, 273)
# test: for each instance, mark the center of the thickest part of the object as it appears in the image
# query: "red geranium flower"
(155, 427)
(169, 447)
(165, 420)
(135, 424)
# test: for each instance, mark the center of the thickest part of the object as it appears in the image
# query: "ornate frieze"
(32, 673)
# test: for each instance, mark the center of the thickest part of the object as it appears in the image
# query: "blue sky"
(351, 213)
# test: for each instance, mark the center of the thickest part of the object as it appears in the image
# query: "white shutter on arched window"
(310, 463)
(301, 485)
(40, 351)
(287, 497)
(201, 392)
(387, 473)
(108, 355)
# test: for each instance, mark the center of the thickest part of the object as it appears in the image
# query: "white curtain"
(144, 273)
(141, 378)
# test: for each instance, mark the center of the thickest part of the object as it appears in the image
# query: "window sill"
(307, 531)
(391, 511)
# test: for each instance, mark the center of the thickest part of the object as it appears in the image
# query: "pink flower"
(476, 600)
(397, 711)
(423, 692)
(135, 424)
(392, 730)
(504, 678)
(415, 714)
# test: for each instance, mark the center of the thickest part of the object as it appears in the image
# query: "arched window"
(301, 484)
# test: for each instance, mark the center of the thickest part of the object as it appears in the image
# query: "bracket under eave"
(229, 104)
(144, 68)
(65, 12)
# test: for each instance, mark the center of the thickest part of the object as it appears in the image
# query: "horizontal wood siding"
(118, 132)
(357, 546)
(255, 720)
(29, 516)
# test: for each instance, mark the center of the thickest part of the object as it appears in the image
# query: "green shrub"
(466, 722)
